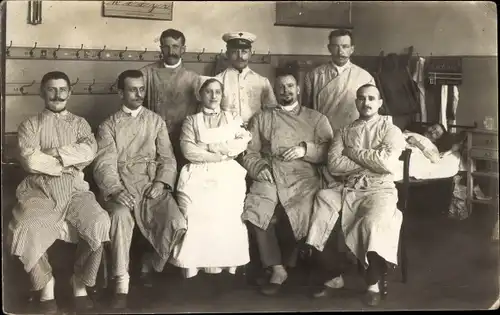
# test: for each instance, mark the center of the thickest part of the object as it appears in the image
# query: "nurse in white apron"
(211, 188)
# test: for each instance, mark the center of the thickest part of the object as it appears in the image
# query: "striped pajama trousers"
(91, 222)
(86, 267)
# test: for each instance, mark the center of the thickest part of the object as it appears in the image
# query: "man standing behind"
(135, 169)
(360, 207)
(288, 144)
(170, 88)
(245, 91)
(55, 146)
(331, 88)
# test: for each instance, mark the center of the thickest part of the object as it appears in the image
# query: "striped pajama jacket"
(55, 191)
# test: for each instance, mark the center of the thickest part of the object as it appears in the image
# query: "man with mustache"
(135, 169)
(170, 87)
(54, 199)
(358, 210)
(331, 88)
(245, 91)
(289, 143)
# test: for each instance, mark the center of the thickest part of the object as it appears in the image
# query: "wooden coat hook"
(99, 54)
(32, 49)
(25, 86)
(199, 55)
(78, 52)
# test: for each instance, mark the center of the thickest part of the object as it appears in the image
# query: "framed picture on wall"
(150, 10)
(316, 14)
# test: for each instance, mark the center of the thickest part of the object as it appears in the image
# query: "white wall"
(447, 28)
(440, 28)
(71, 24)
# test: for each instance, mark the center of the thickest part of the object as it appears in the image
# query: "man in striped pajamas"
(135, 169)
(55, 146)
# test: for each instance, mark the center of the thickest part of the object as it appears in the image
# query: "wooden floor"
(452, 265)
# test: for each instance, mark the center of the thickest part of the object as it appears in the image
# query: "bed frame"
(404, 186)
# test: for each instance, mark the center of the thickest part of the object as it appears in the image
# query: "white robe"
(363, 156)
(333, 94)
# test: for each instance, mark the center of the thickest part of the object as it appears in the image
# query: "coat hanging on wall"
(446, 73)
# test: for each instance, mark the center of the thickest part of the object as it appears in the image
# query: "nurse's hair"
(54, 75)
(175, 34)
(368, 85)
(211, 80)
(135, 74)
(339, 33)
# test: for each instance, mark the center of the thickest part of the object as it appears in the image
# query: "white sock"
(279, 274)
(79, 288)
(122, 283)
(374, 288)
(335, 283)
(47, 293)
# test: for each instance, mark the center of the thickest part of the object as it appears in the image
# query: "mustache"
(58, 99)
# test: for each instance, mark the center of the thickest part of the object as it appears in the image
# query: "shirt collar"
(244, 72)
(369, 121)
(60, 114)
(132, 112)
(173, 66)
(290, 107)
(209, 111)
(341, 69)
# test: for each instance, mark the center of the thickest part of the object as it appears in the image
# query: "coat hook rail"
(77, 88)
(105, 54)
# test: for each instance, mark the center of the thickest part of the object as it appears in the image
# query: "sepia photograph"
(166, 157)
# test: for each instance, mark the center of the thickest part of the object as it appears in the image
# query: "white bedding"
(422, 168)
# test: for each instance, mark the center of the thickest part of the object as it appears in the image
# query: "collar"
(173, 66)
(244, 72)
(289, 108)
(210, 112)
(132, 112)
(341, 69)
(60, 114)
(371, 120)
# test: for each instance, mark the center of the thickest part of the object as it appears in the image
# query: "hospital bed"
(405, 181)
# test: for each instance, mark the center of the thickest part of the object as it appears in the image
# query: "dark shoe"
(83, 303)
(146, 279)
(119, 301)
(270, 289)
(262, 279)
(48, 307)
(372, 298)
(325, 292)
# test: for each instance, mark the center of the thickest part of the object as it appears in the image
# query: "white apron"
(211, 196)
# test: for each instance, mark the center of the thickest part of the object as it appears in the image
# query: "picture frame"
(149, 10)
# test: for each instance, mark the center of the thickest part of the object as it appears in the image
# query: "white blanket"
(422, 168)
